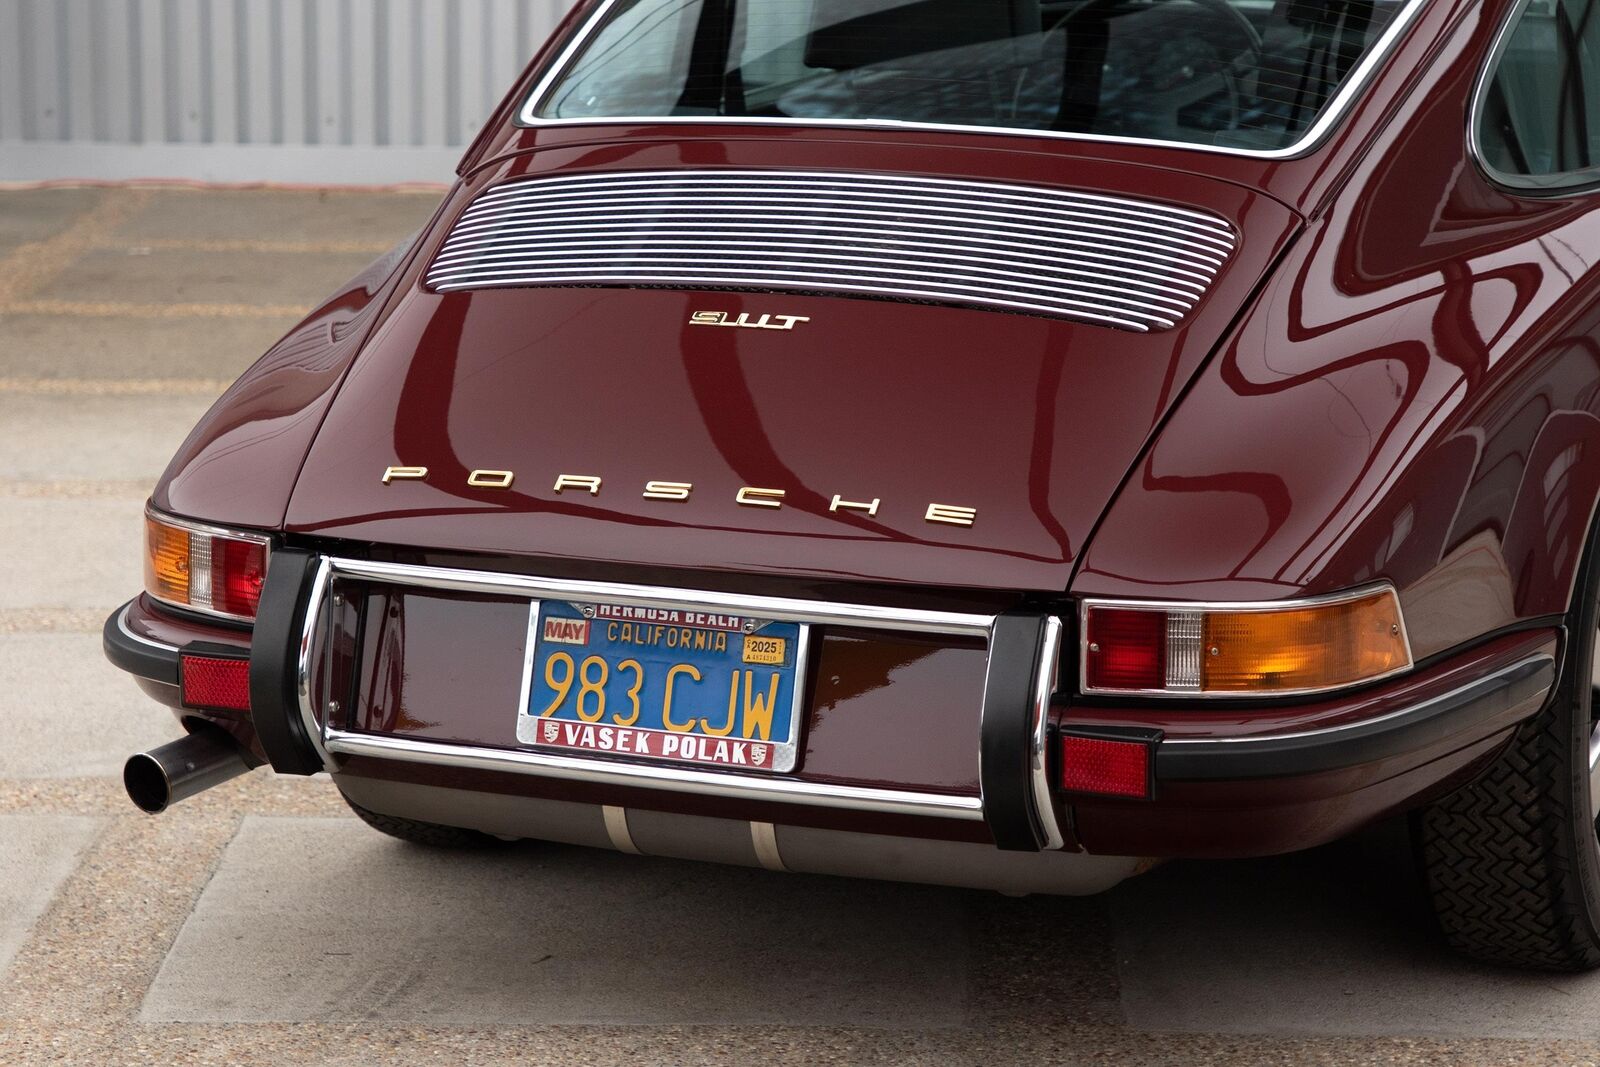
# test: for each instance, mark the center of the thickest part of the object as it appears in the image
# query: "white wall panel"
(383, 90)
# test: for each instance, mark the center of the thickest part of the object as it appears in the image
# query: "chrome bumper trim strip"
(1039, 762)
(807, 611)
(1521, 668)
(122, 624)
(650, 776)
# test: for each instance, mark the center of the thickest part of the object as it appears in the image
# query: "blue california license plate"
(663, 684)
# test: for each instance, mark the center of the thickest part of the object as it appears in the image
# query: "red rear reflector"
(1110, 768)
(1126, 649)
(209, 682)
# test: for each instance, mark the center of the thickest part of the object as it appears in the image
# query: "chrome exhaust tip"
(158, 779)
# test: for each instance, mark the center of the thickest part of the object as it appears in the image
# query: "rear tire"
(1511, 860)
(431, 835)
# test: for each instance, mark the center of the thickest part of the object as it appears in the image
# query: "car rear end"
(713, 485)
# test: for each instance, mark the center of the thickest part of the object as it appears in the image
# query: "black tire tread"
(431, 835)
(1500, 855)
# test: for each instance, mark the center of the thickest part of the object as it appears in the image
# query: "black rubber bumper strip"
(1496, 700)
(1005, 756)
(147, 659)
(275, 667)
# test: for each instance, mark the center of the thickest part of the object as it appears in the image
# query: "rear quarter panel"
(1413, 398)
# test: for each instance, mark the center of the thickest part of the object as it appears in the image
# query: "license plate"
(663, 684)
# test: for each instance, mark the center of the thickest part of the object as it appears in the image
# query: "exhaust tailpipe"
(157, 779)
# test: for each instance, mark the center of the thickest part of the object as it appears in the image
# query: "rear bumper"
(1498, 699)
(1228, 782)
(144, 657)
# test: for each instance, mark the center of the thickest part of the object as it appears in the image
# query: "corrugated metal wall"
(238, 90)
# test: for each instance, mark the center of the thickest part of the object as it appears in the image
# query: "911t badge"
(764, 322)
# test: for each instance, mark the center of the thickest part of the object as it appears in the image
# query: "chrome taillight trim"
(332, 742)
(208, 530)
(1116, 261)
(1203, 607)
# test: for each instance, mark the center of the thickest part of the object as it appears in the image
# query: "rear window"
(1539, 113)
(1241, 74)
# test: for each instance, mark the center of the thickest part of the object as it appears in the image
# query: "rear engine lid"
(706, 369)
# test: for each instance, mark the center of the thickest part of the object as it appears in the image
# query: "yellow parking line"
(51, 620)
(112, 386)
(31, 267)
(310, 248)
(123, 309)
(72, 490)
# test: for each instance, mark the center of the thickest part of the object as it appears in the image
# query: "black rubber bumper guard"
(275, 663)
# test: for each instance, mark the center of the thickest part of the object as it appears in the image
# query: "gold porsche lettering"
(391, 474)
(481, 479)
(667, 490)
(587, 482)
(750, 496)
(951, 515)
(841, 504)
(763, 322)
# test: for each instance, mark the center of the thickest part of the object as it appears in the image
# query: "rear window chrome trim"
(332, 741)
(1333, 113)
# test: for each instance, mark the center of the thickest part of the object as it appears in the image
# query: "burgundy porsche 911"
(1000, 443)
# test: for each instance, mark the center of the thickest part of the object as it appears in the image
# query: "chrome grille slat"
(767, 180)
(710, 206)
(1105, 267)
(867, 264)
(1110, 260)
(847, 199)
(646, 223)
(783, 280)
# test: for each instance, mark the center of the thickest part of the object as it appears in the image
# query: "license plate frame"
(777, 754)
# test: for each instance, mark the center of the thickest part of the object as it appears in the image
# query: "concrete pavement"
(261, 923)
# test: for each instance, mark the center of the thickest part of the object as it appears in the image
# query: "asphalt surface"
(260, 922)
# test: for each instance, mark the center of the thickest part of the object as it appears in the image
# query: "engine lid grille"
(1116, 261)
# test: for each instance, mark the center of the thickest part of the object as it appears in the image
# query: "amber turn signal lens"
(166, 561)
(1307, 646)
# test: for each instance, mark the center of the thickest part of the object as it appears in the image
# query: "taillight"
(1241, 650)
(203, 568)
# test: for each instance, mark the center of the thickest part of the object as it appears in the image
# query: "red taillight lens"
(1127, 649)
(238, 569)
(219, 572)
(211, 682)
(1109, 768)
